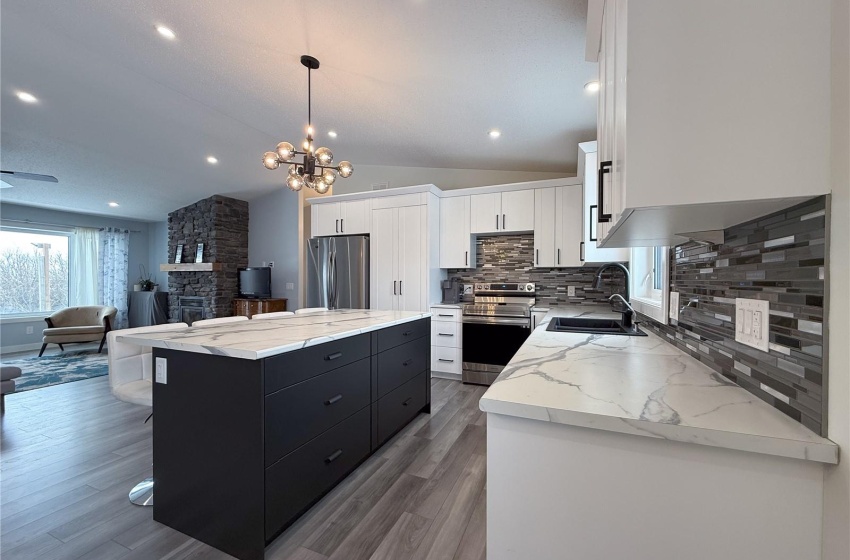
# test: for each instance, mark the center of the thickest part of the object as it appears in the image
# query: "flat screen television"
(255, 282)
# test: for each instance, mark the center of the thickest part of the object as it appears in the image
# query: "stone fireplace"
(221, 224)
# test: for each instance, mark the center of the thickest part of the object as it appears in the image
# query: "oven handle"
(514, 321)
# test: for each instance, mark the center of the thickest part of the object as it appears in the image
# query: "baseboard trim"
(445, 375)
(20, 348)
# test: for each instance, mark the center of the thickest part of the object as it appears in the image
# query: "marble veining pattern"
(254, 340)
(642, 386)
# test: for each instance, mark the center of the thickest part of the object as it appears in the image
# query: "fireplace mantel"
(191, 267)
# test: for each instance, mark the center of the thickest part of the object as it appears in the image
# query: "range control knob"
(529, 287)
(479, 286)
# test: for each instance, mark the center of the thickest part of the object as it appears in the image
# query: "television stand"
(251, 306)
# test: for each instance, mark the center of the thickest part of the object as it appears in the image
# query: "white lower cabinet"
(446, 342)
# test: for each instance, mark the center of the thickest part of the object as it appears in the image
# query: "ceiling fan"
(8, 178)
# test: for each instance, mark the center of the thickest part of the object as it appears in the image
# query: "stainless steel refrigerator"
(338, 272)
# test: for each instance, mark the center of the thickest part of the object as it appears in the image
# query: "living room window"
(34, 267)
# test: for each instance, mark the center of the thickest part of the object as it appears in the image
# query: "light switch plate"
(290, 285)
(752, 323)
(674, 306)
(571, 291)
(161, 370)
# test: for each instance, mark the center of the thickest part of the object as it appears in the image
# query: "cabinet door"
(383, 254)
(354, 217)
(455, 235)
(411, 257)
(544, 227)
(593, 254)
(569, 238)
(518, 210)
(486, 212)
(327, 216)
(620, 67)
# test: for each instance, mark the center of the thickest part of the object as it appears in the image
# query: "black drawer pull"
(333, 456)
(407, 333)
(405, 403)
(407, 362)
(333, 400)
(445, 315)
(333, 356)
(444, 334)
(445, 360)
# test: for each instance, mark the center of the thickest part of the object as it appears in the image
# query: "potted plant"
(146, 280)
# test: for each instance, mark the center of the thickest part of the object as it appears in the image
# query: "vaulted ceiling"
(124, 114)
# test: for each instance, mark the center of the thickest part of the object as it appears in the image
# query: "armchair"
(88, 323)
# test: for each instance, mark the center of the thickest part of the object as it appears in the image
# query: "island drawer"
(401, 363)
(302, 477)
(405, 332)
(290, 368)
(397, 408)
(297, 414)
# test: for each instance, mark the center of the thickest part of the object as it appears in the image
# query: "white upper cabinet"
(341, 218)
(718, 122)
(457, 246)
(502, 212)
(587, 170)
(544, 227)
(558, 241)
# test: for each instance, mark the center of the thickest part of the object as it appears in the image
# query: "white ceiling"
(126, 115)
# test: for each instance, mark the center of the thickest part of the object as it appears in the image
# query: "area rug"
(58, 368)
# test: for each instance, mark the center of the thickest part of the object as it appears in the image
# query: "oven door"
(489, 343)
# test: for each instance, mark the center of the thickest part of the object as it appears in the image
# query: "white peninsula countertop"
(254, 340)
(642, 386)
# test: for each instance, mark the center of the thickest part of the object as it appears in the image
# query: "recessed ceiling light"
(494, 133)
(591, 87)
(114, 204)
(332, 133)
(212, 159)
(26, 97)
(166, 32)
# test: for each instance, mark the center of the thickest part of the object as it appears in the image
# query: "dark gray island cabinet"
(241, 448)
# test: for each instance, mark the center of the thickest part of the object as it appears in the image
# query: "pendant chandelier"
(315, 171)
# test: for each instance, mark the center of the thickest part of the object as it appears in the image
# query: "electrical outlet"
(571, 291)
(290, 285)
(271, 264)
(674, 306)
(29, 330)
(161, 370)
(752, 323)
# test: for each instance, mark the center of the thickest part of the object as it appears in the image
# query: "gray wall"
(13, 334)
(158, 251)
(273, 236)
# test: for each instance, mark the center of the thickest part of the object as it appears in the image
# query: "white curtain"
(84, 267)
(113, 268)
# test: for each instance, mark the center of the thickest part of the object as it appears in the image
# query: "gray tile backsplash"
(779, 258)
(509, 258)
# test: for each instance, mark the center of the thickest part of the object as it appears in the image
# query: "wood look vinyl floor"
(70, 454)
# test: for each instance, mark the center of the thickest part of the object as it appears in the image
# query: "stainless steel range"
(494, 327)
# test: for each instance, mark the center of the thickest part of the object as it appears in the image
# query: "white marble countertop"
(254, 340)
(642, 386)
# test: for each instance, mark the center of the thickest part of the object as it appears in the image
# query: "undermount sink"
(590, 325)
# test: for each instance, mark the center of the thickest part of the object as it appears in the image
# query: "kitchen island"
(256, 420)
(603, 446)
